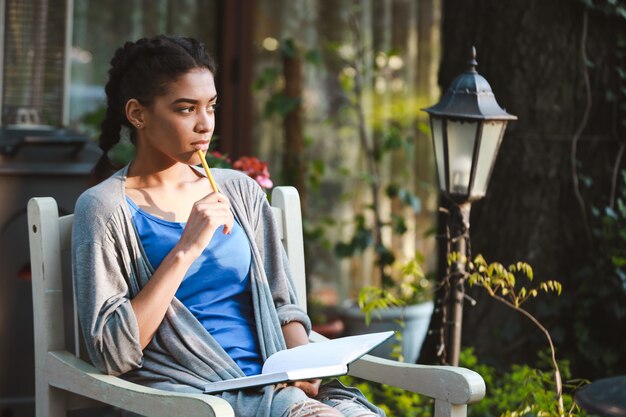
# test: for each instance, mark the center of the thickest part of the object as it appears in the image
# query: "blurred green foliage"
(521, 390)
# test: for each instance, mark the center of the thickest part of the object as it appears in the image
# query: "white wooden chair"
(66, 381)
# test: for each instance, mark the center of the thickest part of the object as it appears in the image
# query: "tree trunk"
(294, 158)
(530, 53)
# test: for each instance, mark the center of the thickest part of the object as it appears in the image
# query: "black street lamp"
(467, 126)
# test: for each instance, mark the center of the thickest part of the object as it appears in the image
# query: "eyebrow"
(191, 100)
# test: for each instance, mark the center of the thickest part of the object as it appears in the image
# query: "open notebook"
(315, 360)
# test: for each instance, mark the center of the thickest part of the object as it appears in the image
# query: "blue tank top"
(216, 289)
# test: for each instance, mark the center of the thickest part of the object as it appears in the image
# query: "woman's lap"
(334, 400)
(329, 408)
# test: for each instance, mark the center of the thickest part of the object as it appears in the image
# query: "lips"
(203, 146)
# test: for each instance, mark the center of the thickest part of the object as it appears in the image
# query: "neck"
(142, 174)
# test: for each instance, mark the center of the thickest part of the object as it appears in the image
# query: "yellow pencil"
(208, 171)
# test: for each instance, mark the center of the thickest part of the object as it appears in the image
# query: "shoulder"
(237, 182)
(246, 196)
(231, 175)
(102, 196)
(96, 205)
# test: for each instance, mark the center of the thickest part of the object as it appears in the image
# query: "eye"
(187, 109)
(212, 107)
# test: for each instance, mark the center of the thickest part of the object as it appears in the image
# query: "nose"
(205, 122)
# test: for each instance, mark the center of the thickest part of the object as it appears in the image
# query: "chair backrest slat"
(289, 221)
(278, 217)
(45, 257)
(65, 232)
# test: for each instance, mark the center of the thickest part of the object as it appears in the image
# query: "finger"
(228, 227)
(215, 197)
(302, 385)
(213, 209)
(208, 220)
(310, 389)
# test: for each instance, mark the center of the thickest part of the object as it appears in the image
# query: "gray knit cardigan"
(110, 267)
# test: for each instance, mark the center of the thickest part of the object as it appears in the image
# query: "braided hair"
(143, 70)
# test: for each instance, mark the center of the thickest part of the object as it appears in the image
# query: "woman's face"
(180, 121)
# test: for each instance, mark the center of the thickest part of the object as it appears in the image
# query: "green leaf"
(289, 49)
(218, 161)
(362, 239)
(318, 166)
(392, 142)
(385, 256)
(281, 104)
(399, 224)
(511, 280)
(618, 261)
(410, 200)
(610, 213)
(314, 57)
(344, 250)
(123, 153)
(346, 82)
(267, 77)
(392, 190)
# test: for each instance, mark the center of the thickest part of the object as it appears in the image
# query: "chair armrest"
(70, 373)
(449, 383)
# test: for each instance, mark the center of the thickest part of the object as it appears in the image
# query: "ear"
(135, 112)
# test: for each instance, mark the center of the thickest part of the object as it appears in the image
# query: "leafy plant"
(611, 233)
(411, 287)
(503, 284)
(522, 390)
(394, 401)
(600, 292)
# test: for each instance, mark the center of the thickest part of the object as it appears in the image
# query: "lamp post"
(467, 126)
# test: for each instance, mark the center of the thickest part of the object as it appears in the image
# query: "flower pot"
(331, 329)
(415, 319)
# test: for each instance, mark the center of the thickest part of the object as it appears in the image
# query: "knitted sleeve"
(102, 292)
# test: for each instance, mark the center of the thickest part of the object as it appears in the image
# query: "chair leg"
(446, 409)
(49, 401)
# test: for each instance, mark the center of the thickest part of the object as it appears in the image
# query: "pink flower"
(220, 155)
(255, 169)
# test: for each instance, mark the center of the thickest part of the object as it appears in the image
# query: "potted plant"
(405, 307)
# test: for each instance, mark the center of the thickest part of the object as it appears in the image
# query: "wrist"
(183, 256)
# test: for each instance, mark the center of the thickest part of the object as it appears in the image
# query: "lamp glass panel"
(439, 150)
(489, 143)
(461, 139)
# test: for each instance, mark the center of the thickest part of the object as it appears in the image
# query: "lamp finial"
(472, 61)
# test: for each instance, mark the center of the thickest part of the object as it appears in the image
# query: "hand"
(206, 216)
(295, 335)
(311, 388)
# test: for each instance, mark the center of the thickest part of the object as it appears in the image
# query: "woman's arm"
(151, 303)
(295, 335)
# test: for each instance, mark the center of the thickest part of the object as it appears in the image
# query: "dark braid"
(143, 70)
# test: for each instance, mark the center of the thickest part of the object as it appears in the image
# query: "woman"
(179, 284)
